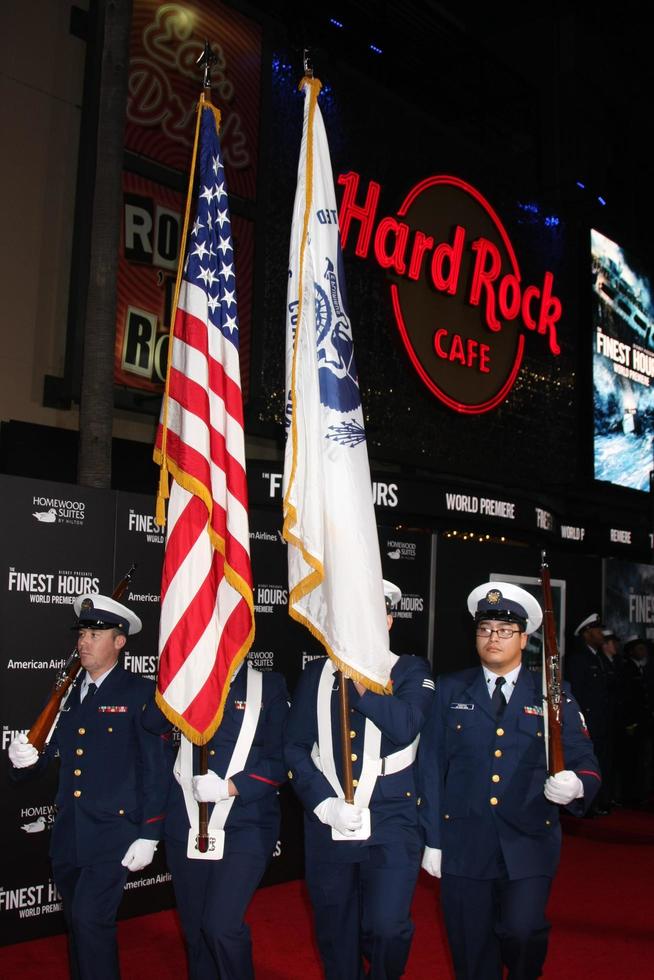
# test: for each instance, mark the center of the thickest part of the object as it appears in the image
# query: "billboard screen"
(623, 366)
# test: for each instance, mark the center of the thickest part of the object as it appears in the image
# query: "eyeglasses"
(504, 633)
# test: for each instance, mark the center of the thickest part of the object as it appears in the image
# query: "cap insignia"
(493, 597)
(86, 605)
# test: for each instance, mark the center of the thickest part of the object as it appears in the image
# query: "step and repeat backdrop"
(60, 540)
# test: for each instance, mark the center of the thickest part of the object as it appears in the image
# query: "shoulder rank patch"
(428, 682)
(459, 706)
(114, 709)
(533, 709)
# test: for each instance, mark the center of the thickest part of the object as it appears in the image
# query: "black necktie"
(498, 700)
(91, 689)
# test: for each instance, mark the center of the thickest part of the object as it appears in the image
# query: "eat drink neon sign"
(457, 292)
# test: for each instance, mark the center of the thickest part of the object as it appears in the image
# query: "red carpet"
(601, 914)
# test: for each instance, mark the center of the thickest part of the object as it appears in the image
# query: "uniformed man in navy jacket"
(246, 769)
(592, 678)
(489, 810)
(112, 786)
(361, 881)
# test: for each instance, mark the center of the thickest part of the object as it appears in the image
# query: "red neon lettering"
(421, 244)
(483, 278)
(395, 260)
(437, 343)
(474, 351)
(531, 292)
(550, 312)
(456, 350)
(353, 212)
(446, 253)
(508, 297)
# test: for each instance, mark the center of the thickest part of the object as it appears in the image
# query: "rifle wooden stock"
(40, 730)
(552, 659)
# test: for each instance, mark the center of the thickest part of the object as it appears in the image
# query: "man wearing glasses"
(488, 808)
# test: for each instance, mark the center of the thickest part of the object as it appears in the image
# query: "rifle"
(552, 692)
(40, 730)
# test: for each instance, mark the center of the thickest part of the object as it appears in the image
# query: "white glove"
(564, 787)
(139, 854)
(344, 817)
(210, 788)
(21, 753)
(431, 861)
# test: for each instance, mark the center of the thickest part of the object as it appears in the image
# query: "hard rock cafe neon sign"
(458, 297)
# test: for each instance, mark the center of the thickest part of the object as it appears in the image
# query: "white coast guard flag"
(334, 568)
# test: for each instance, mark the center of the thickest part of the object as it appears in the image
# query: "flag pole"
(207, 608)
(206, 60)
(344, 699)
(346, 744)
(310, 577)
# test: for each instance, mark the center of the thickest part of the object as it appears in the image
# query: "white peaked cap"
(506, 599)
(593, 620)
(392, 593)
(104, 612)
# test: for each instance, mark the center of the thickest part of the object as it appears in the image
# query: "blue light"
(551, 221)
(334, 22)
(601, 200)
(581, 185)
(373, 47)
(530, 207)
(281, 68)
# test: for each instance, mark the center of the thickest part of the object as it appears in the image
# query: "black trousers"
(495, 923)
(212, 899)
(363, 909)
(91, 896)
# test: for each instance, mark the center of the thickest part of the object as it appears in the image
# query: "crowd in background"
(613, 680)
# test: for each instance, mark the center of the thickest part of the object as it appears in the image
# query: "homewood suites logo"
(457, 293)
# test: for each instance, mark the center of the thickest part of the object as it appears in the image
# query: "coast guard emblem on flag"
(337, 373)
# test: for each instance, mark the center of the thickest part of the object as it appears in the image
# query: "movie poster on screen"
(623, 366)
(629, 598)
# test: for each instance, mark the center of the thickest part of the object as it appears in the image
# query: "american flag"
(207, 612)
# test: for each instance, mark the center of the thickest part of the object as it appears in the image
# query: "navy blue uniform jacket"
(592, 679)
(399, 716)
(253, 821)
(481, 780)
(113, 776)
